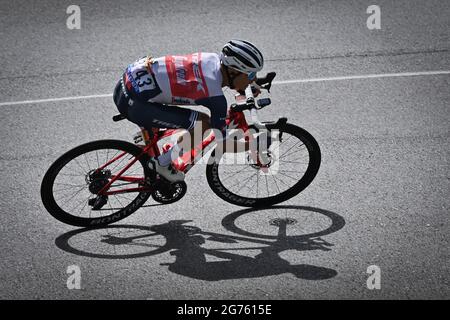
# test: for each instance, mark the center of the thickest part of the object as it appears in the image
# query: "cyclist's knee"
(203, 118)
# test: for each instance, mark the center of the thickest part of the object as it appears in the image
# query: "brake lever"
(262, 83)
(266, 82)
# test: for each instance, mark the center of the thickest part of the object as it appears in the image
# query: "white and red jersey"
(193, 79)
(180, 79)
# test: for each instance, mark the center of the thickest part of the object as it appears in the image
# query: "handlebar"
(260, 83)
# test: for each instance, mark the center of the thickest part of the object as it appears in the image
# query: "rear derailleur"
(96, 180)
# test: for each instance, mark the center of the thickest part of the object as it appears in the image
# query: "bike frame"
(236, 119)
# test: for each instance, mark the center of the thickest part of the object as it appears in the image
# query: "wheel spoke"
(71, 185)
(300, 157)
(296, 171)
(119, 201)
(281, 180)
(276, 184)
(70, 175)
(96, 155)
(289, 154)
(267, 186)
(82, 169)
(287, 175)
(73, 196)
(289, 149)
(234, 174)
(245, 184)
(238, 182)
(292, 161)
(85, 203)
(76, 192)
(117, 163)
(78, 204)
(64, 189)
(257, 185)
(284, 141)
(87, 162)
(107, 154)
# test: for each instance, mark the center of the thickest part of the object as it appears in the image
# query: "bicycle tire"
(47, 194)
(213, 177)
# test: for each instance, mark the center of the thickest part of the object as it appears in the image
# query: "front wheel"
(70, 190)
(294, 160)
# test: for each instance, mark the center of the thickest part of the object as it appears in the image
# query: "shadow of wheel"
(63, 242)
(230, 222)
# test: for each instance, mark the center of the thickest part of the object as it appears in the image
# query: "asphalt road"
(381, 196)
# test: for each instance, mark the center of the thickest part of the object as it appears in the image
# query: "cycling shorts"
(150, 114)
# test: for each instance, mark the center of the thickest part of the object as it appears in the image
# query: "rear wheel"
(294, 160)
(70, 188)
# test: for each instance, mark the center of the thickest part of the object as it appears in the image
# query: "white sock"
(166, 158)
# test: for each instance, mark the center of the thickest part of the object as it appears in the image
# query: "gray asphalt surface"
(381, 196)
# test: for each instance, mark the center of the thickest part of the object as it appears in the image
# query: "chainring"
(166, 193)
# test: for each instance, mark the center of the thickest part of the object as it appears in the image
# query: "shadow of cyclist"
(191, 259)
(185, 243)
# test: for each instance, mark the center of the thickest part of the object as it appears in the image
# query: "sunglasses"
(251, 76)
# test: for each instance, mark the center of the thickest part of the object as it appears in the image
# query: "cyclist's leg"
(188, 140)
(150, 114)
(155, 115)
(193, 137)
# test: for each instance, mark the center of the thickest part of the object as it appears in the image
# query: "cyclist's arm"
(217, 105)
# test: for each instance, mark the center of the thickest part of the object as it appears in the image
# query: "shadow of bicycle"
(270, 231)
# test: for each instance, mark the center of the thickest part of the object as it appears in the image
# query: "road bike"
(104, 181)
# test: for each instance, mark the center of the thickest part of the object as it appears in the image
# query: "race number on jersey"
(140, 79)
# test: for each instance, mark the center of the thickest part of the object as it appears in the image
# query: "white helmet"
(242, 56)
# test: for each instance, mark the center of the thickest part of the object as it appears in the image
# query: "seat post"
(147, 135)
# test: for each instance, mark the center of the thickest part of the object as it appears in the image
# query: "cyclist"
(150, 87)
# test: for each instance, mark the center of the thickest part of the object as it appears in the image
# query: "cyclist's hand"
(256, 91)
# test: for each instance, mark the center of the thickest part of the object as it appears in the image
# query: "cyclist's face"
(241, 81)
